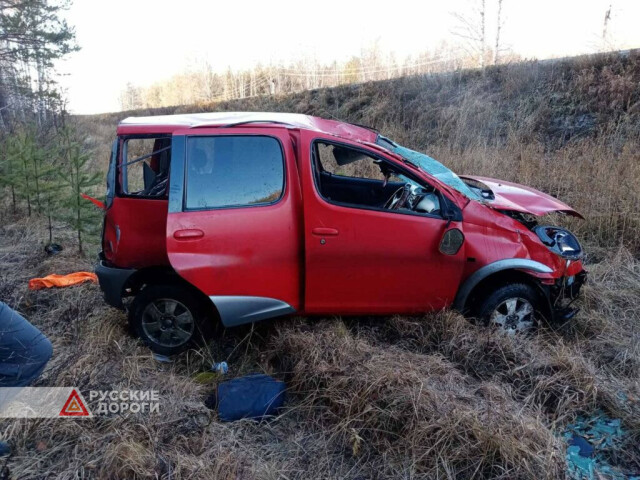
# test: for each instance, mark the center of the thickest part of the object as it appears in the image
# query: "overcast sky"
(143, 41)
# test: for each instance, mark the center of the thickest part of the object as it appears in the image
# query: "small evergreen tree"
(18, 169)
(42, 169)
(9, 168)
(52, 193)
(79, 213)
(25, 166)
(48, 185)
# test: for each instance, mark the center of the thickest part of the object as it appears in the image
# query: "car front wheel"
(510, 309)
(168, 318)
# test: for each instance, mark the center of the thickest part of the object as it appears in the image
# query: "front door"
(232, 227)
(361, 257)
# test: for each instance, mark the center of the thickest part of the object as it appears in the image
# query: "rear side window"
(233, 171)
(145, 167)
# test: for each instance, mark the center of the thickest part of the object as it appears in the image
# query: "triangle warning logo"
(74, 406)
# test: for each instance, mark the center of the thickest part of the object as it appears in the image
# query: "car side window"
(233, 171)
(145, 167)
(351, 177)
(346, 162)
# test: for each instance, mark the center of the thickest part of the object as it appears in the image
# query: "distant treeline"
(203, 84)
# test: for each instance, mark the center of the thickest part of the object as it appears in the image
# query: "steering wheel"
(399, 197)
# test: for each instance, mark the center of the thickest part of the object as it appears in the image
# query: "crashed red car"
(240, 217)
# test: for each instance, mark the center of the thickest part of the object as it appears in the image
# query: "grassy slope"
(370, 398)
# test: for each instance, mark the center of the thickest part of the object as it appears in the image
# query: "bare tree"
(483, 33)
(472, 29)
(130, 98)
(605, 29)
(496, 50)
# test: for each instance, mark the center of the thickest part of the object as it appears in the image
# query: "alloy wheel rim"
(168, 322)
(514, 315)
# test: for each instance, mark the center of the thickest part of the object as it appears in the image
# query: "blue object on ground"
(220, 367)
(254, 396)
(585, 448)
(579, 467)
(5, 449)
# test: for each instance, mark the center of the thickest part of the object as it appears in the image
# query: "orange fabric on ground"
(55, 280)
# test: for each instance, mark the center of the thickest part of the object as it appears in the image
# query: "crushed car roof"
(170, 123)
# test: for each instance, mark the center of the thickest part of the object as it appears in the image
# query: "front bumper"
(563, 294)
(112, 281)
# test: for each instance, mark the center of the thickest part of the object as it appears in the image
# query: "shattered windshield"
(429, 165)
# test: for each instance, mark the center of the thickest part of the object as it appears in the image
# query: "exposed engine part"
(527, 220)
(559, 240)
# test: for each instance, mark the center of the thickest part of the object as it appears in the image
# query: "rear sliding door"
(233, 224)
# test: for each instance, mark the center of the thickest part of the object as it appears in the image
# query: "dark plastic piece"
(254, 396)
(498, 266)
(451, 242)
(112, 281)
(586, 449)
(566, 314)
(53, 249)
(5, 449)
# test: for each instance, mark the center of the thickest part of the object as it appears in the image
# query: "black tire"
(508, 304)
(165, 330)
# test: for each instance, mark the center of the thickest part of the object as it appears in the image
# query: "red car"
(241, 217)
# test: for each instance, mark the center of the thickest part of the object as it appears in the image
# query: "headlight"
(560, 241)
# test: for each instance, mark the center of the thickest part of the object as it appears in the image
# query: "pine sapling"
(79, 213)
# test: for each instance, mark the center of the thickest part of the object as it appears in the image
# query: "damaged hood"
(518, 198)
(502, 196)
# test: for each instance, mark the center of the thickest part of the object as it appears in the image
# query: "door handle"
(325, 232)
(188, 234)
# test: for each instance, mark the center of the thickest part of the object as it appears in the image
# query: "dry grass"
(431, 397)
(419, 410)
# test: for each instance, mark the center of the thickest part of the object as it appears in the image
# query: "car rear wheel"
(511, 309)
(168, 318)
